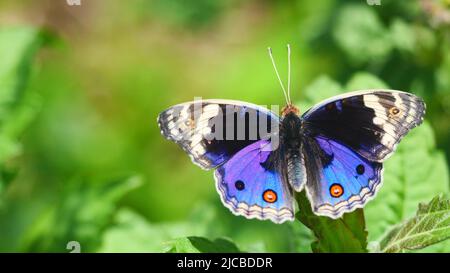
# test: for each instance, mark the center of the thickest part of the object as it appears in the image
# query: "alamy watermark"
(74, 246)
(211, 122)
(73, 2)
(374, 2)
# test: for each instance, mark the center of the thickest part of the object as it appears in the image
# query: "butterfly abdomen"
(290, 140)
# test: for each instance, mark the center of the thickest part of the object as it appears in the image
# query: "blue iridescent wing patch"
(250, 187)
(344, 180)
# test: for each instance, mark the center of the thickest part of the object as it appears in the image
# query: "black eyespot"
(327, 159)
(360, 169)
(239, 185)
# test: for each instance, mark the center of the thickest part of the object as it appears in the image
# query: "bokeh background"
(81, 156)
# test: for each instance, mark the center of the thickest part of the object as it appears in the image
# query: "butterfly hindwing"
(212, 131)
(371, 123)
(251, 187)
(339, 180)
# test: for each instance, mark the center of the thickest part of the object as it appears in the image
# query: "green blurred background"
(81, 156)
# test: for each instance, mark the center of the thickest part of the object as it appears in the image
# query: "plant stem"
(346, 234)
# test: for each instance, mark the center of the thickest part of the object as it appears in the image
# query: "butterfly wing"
(339, 180)
(371, 123)
(212, 131)
(250, 184)
(345, 140)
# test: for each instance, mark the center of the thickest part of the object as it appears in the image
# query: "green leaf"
(361, 35)
(10, 130)
(193, 15)
(201, 245)
(346, 234)
(364, 81)
(131, 232)
(403, 36)
(301, 238)
(82, 213)
(415, 173)
(441, 75)
(431, 225)
(18, 46)
(320, 89)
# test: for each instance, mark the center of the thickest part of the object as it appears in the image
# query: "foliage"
(347, 234)
(430, 226)
(17, 48)
(80, 214)
(82, 159)
(363, 33)
(201, 245)
(139, 235)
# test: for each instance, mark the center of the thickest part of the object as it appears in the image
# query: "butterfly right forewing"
(370, 122)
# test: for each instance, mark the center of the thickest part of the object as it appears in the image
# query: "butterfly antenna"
(278, 75)
(289, 74)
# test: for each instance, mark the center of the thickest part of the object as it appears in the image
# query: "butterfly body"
(291, 146)
(334, 151)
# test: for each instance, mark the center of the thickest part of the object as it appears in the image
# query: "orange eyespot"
(270, 196)
(336, 190)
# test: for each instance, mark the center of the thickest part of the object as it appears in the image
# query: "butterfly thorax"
(288, 109)
(290, 129)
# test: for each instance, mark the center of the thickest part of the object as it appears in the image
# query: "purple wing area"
(250, 187)
(340, 180)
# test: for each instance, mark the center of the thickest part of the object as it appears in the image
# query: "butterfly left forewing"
(208, 130)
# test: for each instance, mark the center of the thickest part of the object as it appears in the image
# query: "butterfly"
(334, 151)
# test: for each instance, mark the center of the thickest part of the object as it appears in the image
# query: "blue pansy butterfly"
(334, 151)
